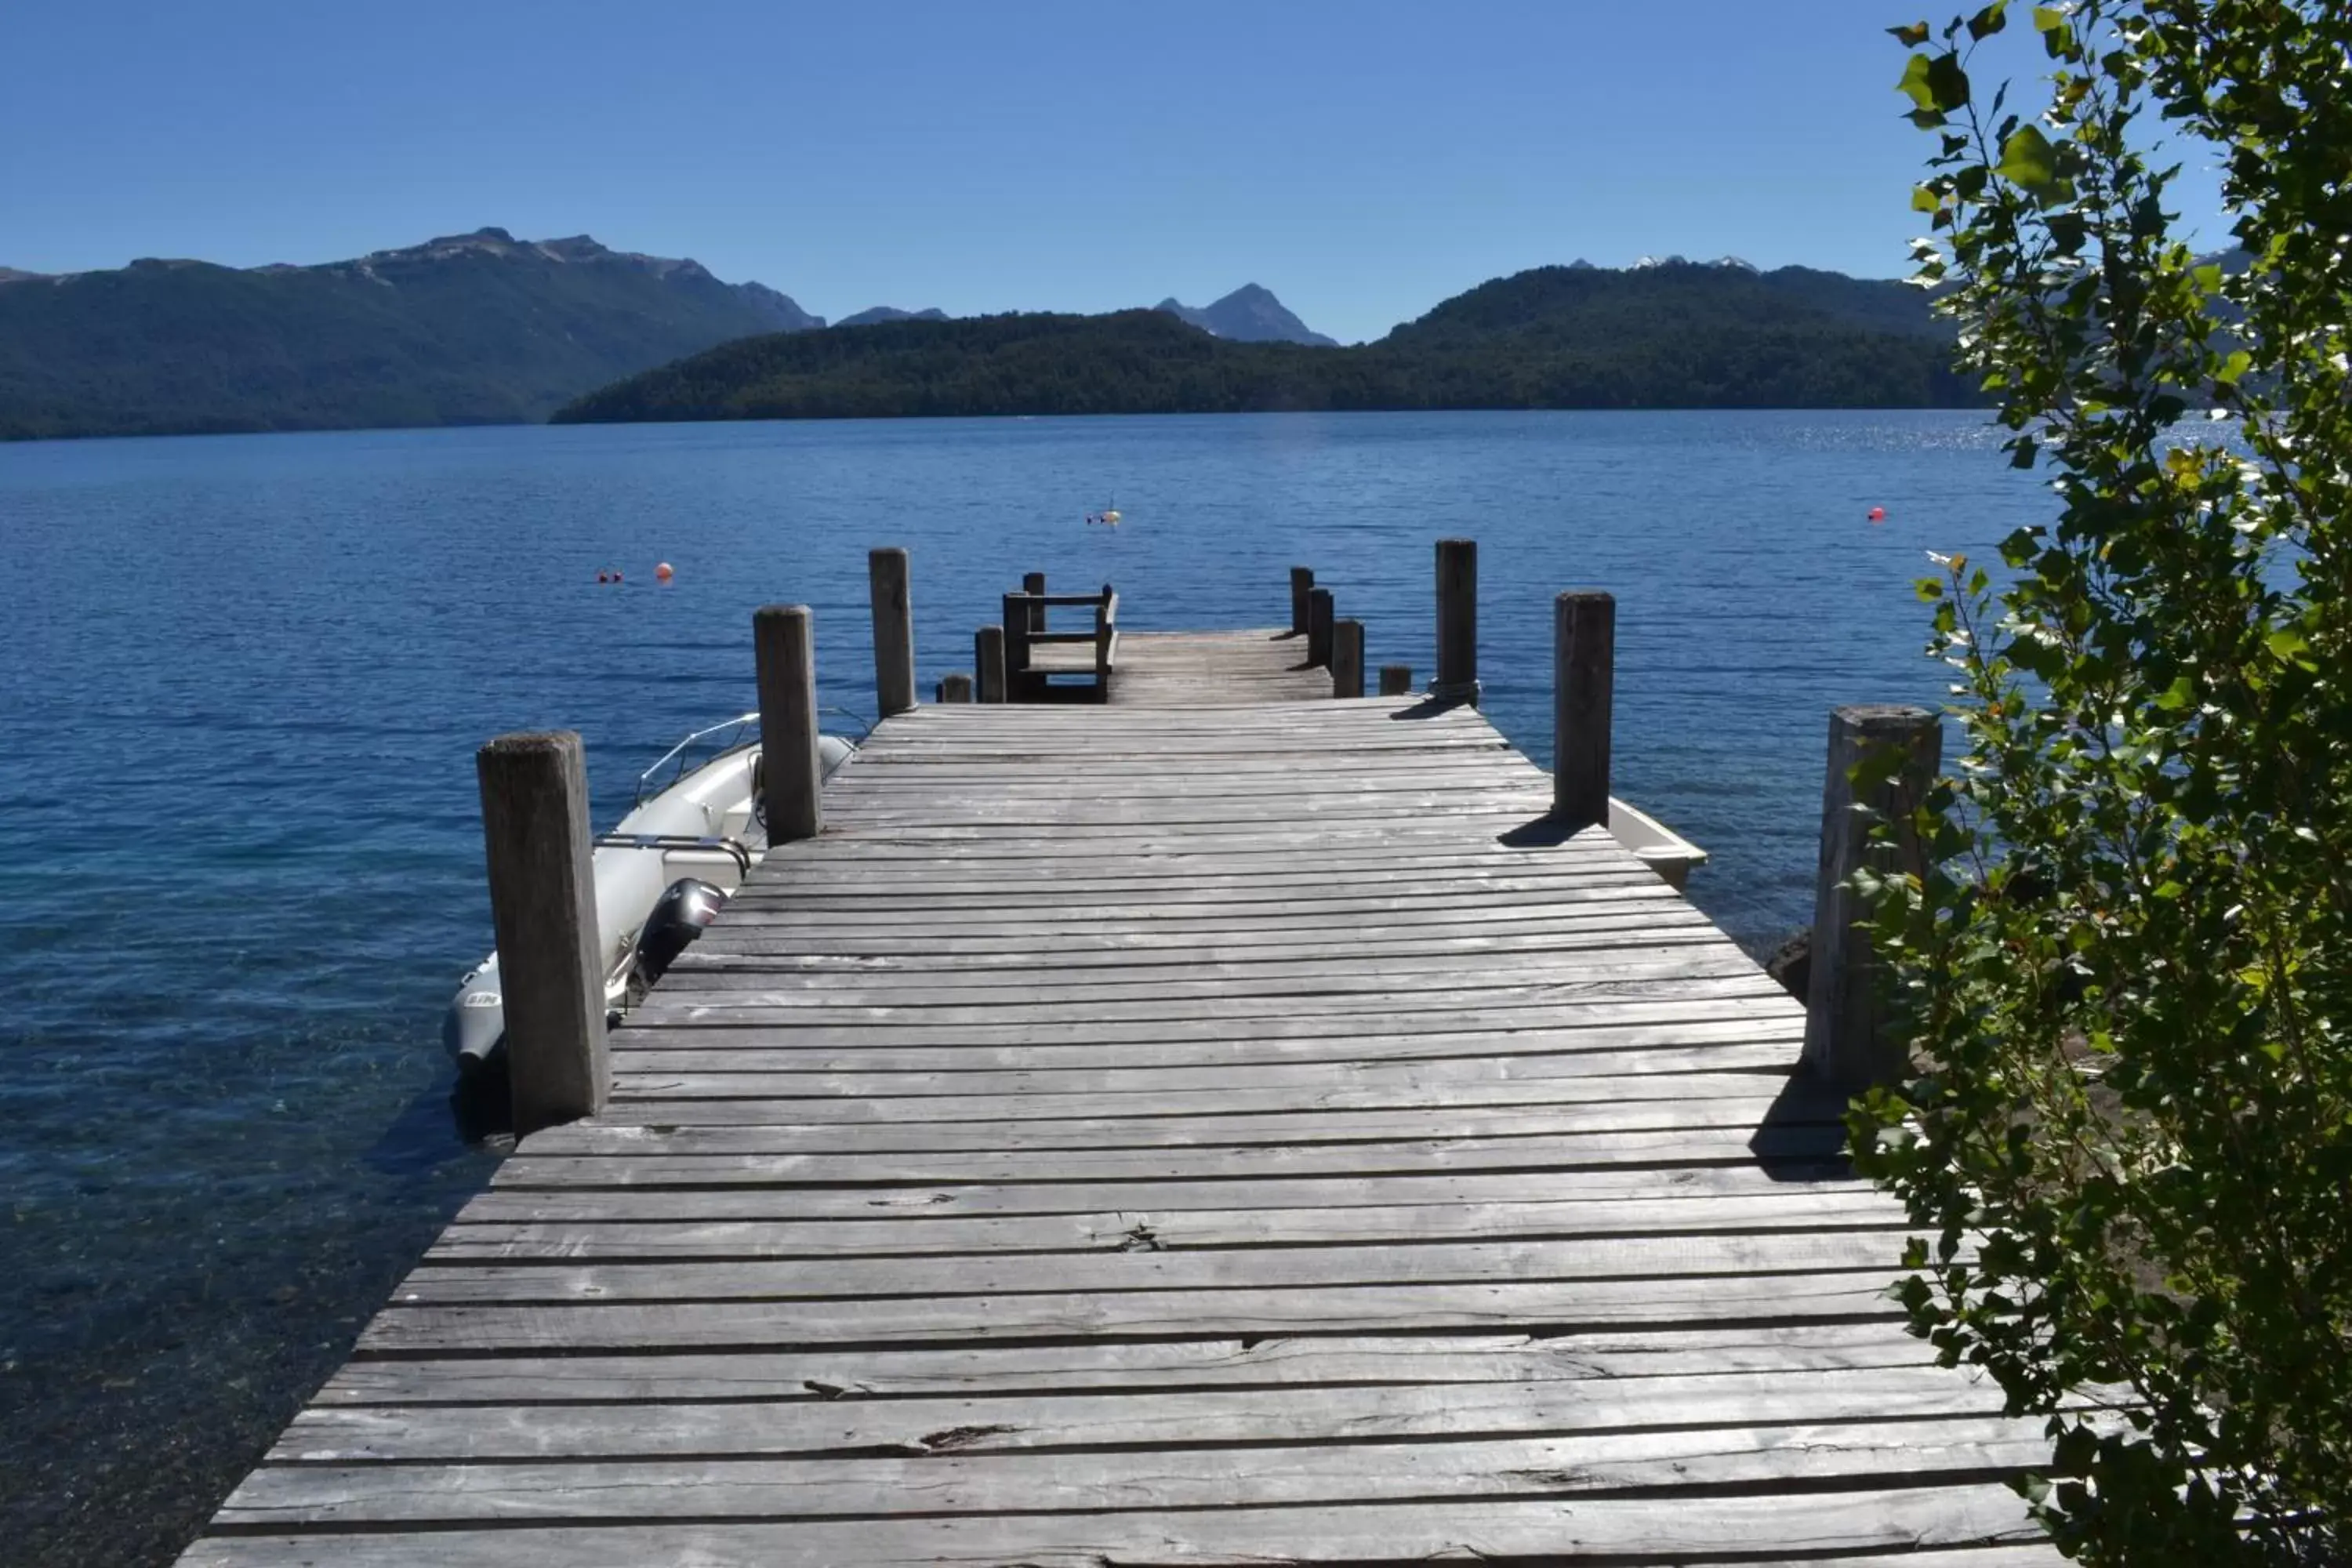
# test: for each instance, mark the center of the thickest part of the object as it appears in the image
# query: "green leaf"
(2028, 161)
(2289, 646)
(1948, 81)
(1911, 36)
(2048, 18)
(1988, 21)
(2237, 364)
(2176, 696)
(1936, 83)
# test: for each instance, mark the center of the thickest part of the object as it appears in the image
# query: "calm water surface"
(245, 676)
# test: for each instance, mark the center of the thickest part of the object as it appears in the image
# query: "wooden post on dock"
(1396, 681)
(956, 687)
(1035, 583)
(988, 659)
(1020, 616)
(1302, 584)
(1319, 628)
(790, 770)
(894, 632)
(1883, 761)
(1584, 667)
(543, 908)
(1348, 659)
(1457, 621)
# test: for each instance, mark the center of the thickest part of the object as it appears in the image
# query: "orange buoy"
(662, 573)
(1878, 514)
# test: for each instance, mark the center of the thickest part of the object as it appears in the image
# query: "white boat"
(664, 871)
(1660, 848)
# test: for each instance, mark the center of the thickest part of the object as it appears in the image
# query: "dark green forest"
(1673, 336)
(474, 330)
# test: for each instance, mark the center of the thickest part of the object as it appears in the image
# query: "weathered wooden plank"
(608, 1240)
(1210, 1000)
(1530, 853)
(676, 1130)
(1969, 1448)
(1694, 951)
(521, 1202)
(1543, 1023)
(1074, 816)
(800, 1098)
(1488, 1307)
(1103, 1366)
(1240, 1065)
(1114, 1267)
(779, 951)
(1644, 956)
(1667, 1038)
(1807, 1144)
(1203, 909)
(1622, 1531)
(921, 1427)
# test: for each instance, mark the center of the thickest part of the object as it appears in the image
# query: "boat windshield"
(705, 744)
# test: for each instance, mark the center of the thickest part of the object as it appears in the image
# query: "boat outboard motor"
(685, 908)
(474, 1030)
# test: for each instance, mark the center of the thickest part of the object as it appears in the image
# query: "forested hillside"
(1673, 335)
(474, 329)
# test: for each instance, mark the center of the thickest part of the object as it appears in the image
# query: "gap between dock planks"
(1220, 1127)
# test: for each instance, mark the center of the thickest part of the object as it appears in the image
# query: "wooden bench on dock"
(1035, 656)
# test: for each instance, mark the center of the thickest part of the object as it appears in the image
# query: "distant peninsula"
(1665, 334)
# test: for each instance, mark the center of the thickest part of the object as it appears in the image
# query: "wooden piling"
(1457, 621)
(1882, 762)
(1396, 681)
(1319, 628)
(1035, 583)
(1584, 664)
(893, 631)
(1020, 617)
(988, 659)
(1348, 659)
(956, 687)
(1302, 584)
(534, 789)
(789, 769)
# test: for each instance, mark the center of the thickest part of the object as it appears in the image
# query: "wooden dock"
(1158, 1133)
(1215, 670)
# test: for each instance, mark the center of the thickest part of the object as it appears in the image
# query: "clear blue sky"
(1362, 159)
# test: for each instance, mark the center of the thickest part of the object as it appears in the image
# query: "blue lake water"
(245, 677)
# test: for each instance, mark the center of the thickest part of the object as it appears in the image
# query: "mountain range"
(483, 328)
(1248, 315)
(1666, 335)
(470, 329)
